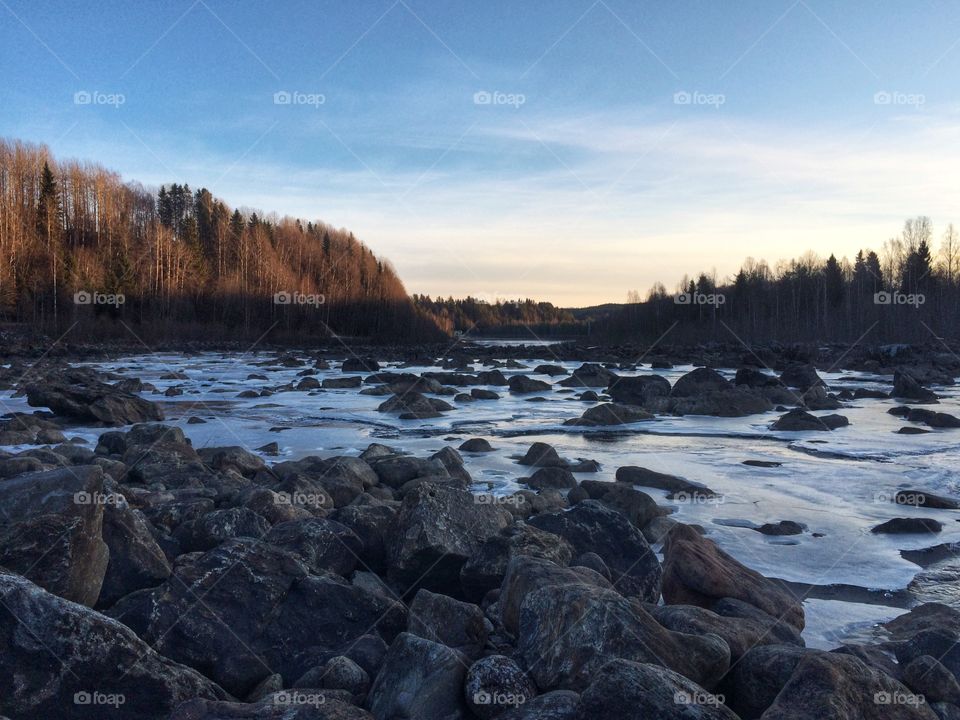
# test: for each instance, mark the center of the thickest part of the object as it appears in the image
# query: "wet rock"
(590, 526)
(496, 684)
(926, 676)
(395, 471)
(415, 405)
(933, 419)
(662, 481)
(784, 527)
(909, 525)
(52, 530)
(801, 376)
(567, 633)
(637, 691)
(611, 414)
(756, 378)
(476, 445)
(756, 679)
(551, 477)
(419, 679)
(52, 650)
(438, 528)
(356, 364)
(800, 420)
(459, 625)
(542, 455)
(697, 572)
(521, 384)
(657, 529)
(481, 394)
(907, 388)
(77, 393)
(699, 381)
(639, 507)
(590, 375)
(640, 390)
(549, 370)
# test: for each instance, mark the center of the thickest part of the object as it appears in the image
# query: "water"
(838, 484)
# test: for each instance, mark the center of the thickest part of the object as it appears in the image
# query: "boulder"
(802, 376)
(928, 677)
(611, 414)
(459, 625)
(496, 684)
(639, 507)
(554, 478)
(136, 561)
(755, 680)
(476, 445)
(210, 529)
(437, 529)
(590, 375)
(640, 691)
(907, 388)
(59, 659)
(77, 393)
(698, 382)
(521, 384)
(542, 455)
(233, 457)
(591, 526)
(52, 530)
(419, 679)
(900, 526)
(567, 633)
(661, 481)
(697, 572)
(800, 420)
(729, 402)
(322, 545)
(415, 405)
(311, 704)
(640, 390)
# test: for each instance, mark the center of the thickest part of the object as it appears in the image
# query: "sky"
(565, 150)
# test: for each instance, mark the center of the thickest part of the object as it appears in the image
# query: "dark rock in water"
(269, 449)
(729, 402)
(909, 525)
(342, 383)
(590, 375)
(921, 498)
(232, 457)
(588, 396)
(592, 527)
(925, 557)
(356, 364)
(662, 481)
(697, 572)
(800, 420)
(267, 599)
(542, 455)
(485, 569)
(762, 463)
(801, 376)
(419, 679)
(136, 561)
(551, 477)
(51, 530)
(459, 625)
(309, 704)
(868, 394)
(213, 528)
(837, 687)
(784, 527)
(397, 470)
(639, 507)
(437, 529)
(308, 383)
(495, 684)
(941, 643)
(927, 676)
(929, 616)
(321, 544)
(611, 414)
(55, 655)
(415, 404)
(909, 430)
(567, 633)
(481, 394)
(933, 419)
(522, 384)
(476, 445)
(636, 691)
(640, 390)
(77, 393)
(906, 387)
(549, 370)
(755, 378)
(699, 381)
(899, 411)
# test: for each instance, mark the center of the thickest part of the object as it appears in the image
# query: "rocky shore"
(146, 578)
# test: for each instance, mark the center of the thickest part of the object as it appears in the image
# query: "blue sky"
(569, 150)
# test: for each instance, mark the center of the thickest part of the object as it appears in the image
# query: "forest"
(503, 318)
(909, 291)
(82, 249)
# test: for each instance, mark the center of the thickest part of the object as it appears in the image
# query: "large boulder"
(210, 529)
(496, 684)
(801, 376)
(641, 691)
(591, 526)
(322, 545)
(257, 602)
(459, 625)
(639, 507)
(697, 572)
(640, 390)
(567, 633)
(611, 414)
(755, 680)
(437, 529)
(413, 405)
(729, 402)
(698, 382)
(521, 384)
(590, 375)
(419, 679)
(906, 387)
(77, 393)
(800, 420)
(52, 530)
(59, 659)
(543, 455)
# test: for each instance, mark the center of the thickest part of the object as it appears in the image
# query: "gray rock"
(495, 685)
(459, 625)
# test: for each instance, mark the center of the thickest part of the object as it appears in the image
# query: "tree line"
(501, 317)
(909, 291)
(81, 247)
